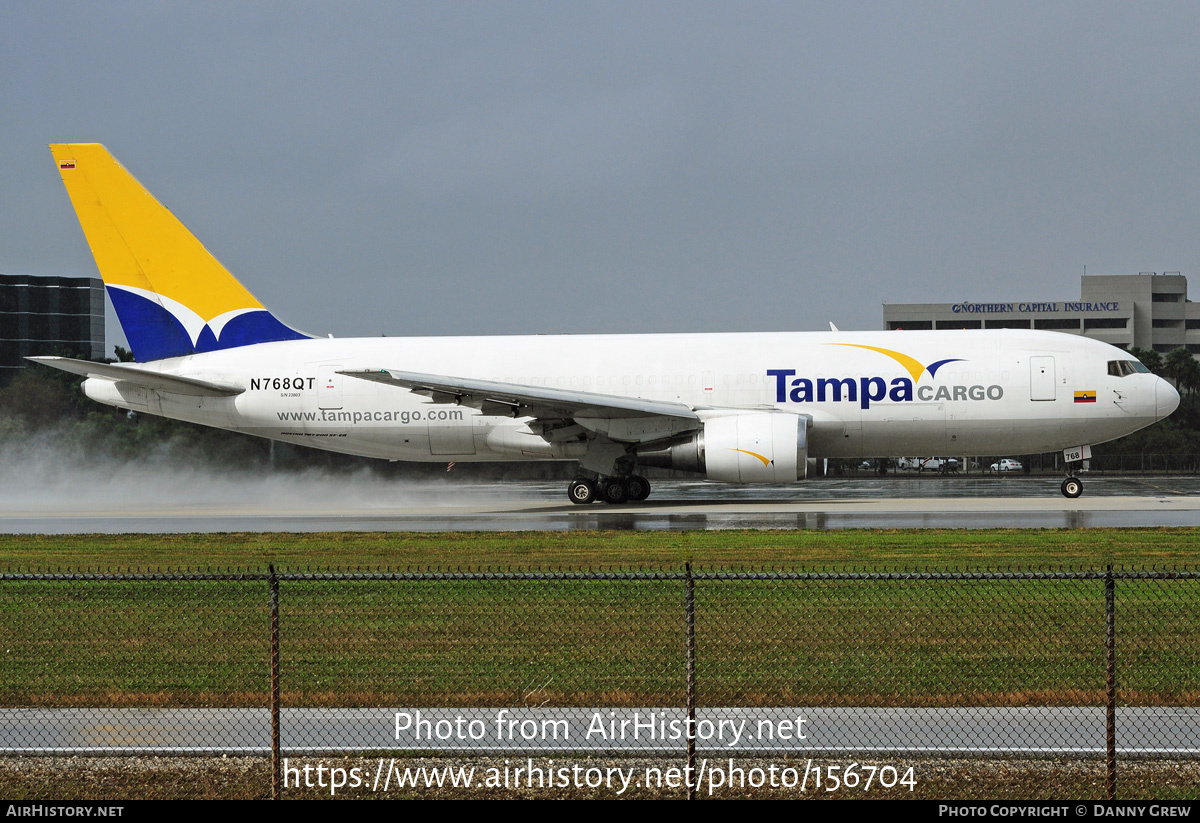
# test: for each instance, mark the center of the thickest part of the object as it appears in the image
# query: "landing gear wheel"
(581, 491)
(637, 488)
(1072, 487)
(613, 491)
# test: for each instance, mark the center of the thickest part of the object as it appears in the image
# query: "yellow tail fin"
(170, 294)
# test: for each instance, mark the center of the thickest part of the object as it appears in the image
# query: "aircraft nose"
(1166, 399)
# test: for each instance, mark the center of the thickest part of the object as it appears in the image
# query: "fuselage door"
(1041, 378)
(329, 387)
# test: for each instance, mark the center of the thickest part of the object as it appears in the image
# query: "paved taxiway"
(831, 503)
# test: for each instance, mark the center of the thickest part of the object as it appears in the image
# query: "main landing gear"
(609, 489)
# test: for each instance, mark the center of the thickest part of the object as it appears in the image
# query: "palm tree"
(1189, 377)
(1176, 364)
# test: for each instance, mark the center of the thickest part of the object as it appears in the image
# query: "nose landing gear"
(1072, 487)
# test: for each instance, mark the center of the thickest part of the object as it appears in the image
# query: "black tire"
(613, 491)
(637, 488)
(581, 492)
(1072, 487)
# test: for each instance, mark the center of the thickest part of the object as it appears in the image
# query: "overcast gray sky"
(460, 168)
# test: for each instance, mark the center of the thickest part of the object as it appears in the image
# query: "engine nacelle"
(755, 447)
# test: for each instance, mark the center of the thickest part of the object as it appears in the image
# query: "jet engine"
(754, 447)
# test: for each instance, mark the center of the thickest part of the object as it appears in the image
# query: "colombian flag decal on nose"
(1088, 396)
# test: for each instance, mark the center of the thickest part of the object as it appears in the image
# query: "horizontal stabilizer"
(139, 376)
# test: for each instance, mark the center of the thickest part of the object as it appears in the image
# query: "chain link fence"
(1094, 663)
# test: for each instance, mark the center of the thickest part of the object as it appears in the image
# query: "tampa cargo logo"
(868, 390)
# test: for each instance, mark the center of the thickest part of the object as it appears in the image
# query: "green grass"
(472, 643)
(604, 642)
(876, 548)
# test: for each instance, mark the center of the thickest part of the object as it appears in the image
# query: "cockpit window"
(1123, 368)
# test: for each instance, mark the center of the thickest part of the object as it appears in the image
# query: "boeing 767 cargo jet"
(758, 407)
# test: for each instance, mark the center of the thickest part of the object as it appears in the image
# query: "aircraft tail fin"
(171, 295)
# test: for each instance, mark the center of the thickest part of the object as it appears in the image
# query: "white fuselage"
(989, 392)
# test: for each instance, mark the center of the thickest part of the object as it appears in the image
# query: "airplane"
(757, 407)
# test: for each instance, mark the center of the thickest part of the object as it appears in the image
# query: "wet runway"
(830, 503)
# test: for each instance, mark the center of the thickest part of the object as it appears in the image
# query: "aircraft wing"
(139, 376)
(498, 398)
